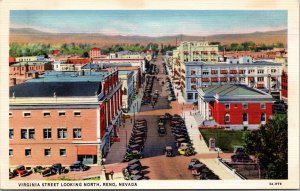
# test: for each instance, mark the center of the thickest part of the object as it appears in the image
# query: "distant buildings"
(95, 53)
(234, 106)
(64, 117)
(22, 71)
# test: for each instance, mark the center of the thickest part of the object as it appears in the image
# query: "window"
(10, 114)
(227, 118)
(62, 133)
(11, 133)
(31, 133)
(24, 134)
(190, 95)
(227, 106)
(251, 71)
(27, 114)
(263, 106)
(245, 106)
(61, 114)
(260, 71)
(11, 152)
(273, 71)
(262, 117)
(46, 114)
(242, 80)
(76, 113)
(205, 73)
(47, 133)
(27, 152)
(193, 72)
(245, 117)
(47, 152)
(76, 133)
(62, 152)
(260, 79)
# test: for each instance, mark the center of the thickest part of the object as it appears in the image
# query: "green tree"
(269, 145)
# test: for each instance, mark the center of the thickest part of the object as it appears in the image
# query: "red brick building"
(63, 118)
(284, 85)
(95, 52)
(78, 61)
(235, 106)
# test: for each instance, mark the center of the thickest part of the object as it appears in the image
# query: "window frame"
(261, 117)
(47, 149)
(65, 153)
(46, 130)
(10, 114)
(78, 130)
(245, 105)
(227, 104)
(30, 153)
(27, 112)
(10, 150)
(74, 113)
(63, 133)
(26, 136)
(227, 115)
(13, 134)
(263, 106)
(46, 114)
(61, 112)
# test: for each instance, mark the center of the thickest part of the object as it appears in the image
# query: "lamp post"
(134, 114)
(126, 138)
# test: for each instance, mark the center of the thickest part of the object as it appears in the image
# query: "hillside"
(28, 35)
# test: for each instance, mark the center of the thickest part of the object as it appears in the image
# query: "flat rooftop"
(232, 90)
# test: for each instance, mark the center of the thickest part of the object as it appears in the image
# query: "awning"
(87, 150)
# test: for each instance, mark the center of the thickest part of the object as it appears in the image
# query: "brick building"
(64, 117)
(234, 106)
(95, 52)
(22, 71)
(284, 86)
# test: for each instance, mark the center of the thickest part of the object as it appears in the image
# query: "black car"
(78, 166)
(193, 162)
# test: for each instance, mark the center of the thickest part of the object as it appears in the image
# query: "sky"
(150, 22)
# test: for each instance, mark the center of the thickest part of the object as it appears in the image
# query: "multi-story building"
(126, 77)
(193, 52)
(22, 71)
(284, 86)
(265, 76)
(107, 62)
(234, 106)
(95, 52)
(64, 117)
(126, 55)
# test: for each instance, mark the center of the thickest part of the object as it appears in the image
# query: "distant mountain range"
(29, 35)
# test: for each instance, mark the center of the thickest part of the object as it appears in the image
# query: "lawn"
(225, 139)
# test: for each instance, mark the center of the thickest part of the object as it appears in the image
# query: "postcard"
(149, 94)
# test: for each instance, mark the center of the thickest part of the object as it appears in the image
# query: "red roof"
(11, 59)
(98, 49)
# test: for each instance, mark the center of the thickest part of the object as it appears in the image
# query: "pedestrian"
(191, 126)
(112, 174)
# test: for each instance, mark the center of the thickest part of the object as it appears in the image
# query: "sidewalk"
(194, 133)
(218, 170)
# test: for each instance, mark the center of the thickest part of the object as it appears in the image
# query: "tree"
(269, 145)
(85, 54)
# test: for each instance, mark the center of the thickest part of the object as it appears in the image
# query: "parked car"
(169, 151)
(193, 162)
(78, 166)
(21, 171)
(11, 174)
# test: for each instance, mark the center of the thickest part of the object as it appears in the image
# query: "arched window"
(245, 117)
(262, 117)
(227, 118)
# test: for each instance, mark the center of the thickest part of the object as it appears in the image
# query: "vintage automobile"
(193, 162)
(21, 171)
(11, 174)
(133, 147)
(241, 158)
(186, 150)
(54, 169)
(169, 151)
(197, 169)
(162, 131)
(78, 166)
(132, 155)
(134, 161)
